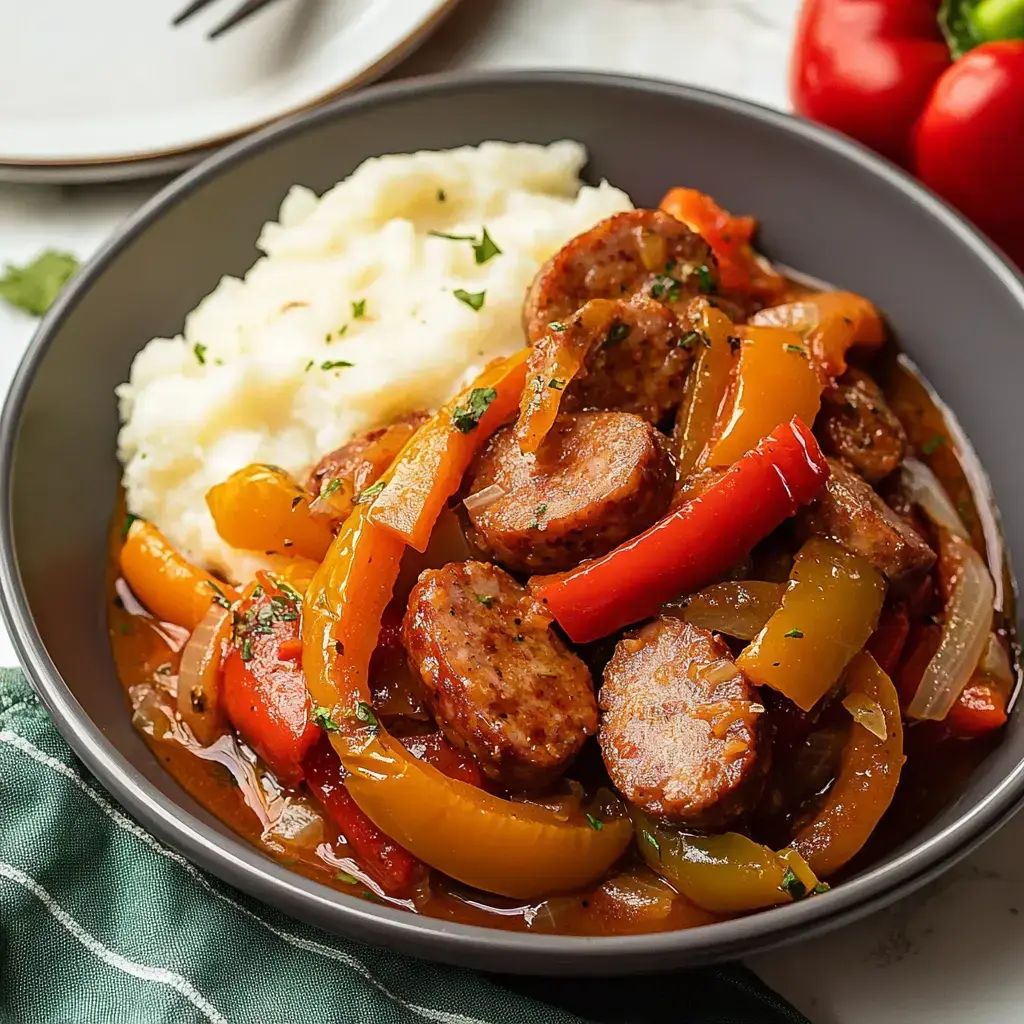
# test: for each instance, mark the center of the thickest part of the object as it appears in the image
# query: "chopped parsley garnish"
(365, 714)
(798, 349)
(556, 384)
(322, 717)
(370, 493)
(534, 523)
(933, 444)
(344, 876)
(295, 501)
(358, 309)
(794, 633)
(165, 669)
(327, 489)
(485, 599)
(792, 886)
(218, 595)
(466, 417)
(336, 364)
(200, 353)
(595, 823)
(734, 343)
(558, 326)
(35, 287)
(257, 591)
(246, 649)
(689, 340)
(484, 247)
(665, 287)
(617, 333)
(475, 300)
(820, 888)
(648, 838)
(127, 524)
(309, 366)
(442, 196)
(704, 278)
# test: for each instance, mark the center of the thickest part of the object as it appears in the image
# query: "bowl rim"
(242, 865)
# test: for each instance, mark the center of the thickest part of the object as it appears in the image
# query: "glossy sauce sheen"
(288, 825)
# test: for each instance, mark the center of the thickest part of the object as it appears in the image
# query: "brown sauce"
(289, 826)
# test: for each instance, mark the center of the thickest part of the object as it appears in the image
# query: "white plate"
(88, 83)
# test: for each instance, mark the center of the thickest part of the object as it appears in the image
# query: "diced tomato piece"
(390, 865)
(436, 750)
(264, 692)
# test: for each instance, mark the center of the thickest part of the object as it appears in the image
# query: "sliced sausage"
(598, 479)
(503, 686)
(639, 251)
(852, 514)
(680, 726)
(635, 356)
(857, 425)
(364, 458)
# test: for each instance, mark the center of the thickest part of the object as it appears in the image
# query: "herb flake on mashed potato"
(359, 310)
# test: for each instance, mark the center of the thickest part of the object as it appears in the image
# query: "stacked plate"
(108, 90)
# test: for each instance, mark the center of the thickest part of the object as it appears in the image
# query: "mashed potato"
(349, 319)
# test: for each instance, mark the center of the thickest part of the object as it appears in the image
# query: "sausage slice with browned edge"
(598, 479)
(503, 686)
(680, 726)
(635, 357)
(638, 251)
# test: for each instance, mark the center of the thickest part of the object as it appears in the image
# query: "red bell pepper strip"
(264, 692)
(392, 866)
(980, 709)
(950, 109)
(694, 543)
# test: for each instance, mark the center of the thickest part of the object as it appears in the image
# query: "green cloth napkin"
(102, 924)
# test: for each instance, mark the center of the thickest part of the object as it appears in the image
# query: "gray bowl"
(826, 206)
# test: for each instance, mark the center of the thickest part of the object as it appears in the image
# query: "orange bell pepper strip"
(830, 323)
(774, 382)
(170, 586)
(440, 452)
(262, 508)
(706, 388)
(726, 873)
(869, 771)
(830, 608)
(740, 268)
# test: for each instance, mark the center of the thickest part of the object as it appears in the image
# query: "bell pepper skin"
(968, 146)
(951, 110)
(693, 543)
(867, 68)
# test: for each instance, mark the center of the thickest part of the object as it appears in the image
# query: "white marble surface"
(948, 954)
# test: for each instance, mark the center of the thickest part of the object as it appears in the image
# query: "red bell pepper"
(886, 644)
(263, 691)
(694, 543)
(936, 87)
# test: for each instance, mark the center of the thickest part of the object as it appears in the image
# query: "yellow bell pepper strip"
(868, 774)
(740, 268)
(693, 544)
(774, 382)
(830, 608)
(726, 873)
(513, 849)
(434, 461)
(706, 389)
(170, 586)
(262, 508)
(830, 323)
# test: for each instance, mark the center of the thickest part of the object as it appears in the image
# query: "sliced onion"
(924, 489)
(199, 676)
(736, 609)
(484, 499)
(995, 665)
(867, 712)
(964, 637)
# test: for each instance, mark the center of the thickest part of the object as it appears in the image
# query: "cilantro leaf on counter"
(35, 287)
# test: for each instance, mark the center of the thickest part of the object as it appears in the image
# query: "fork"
(247, 9)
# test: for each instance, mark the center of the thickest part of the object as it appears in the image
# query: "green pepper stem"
(998, 19)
